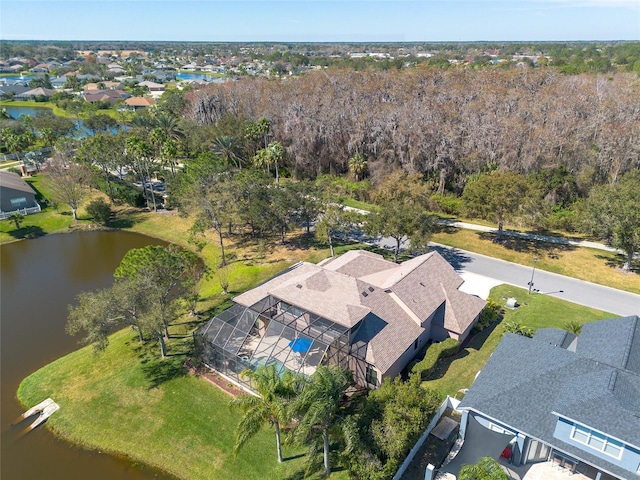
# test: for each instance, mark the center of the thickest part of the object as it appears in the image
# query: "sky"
(321, 20)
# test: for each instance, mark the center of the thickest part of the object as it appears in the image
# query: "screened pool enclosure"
(270, 332)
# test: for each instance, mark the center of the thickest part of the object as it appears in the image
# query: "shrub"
(99, 211)
(490, 313)
(448, 204)
(434, 353)
(518, 329)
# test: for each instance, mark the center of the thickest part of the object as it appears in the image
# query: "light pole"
(535, 260)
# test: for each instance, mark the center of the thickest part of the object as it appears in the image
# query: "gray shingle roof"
(596, 339)
(15, 182)
(527, 383)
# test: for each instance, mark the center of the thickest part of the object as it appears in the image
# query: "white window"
(19, 202)
(597, 441)
(372, 376)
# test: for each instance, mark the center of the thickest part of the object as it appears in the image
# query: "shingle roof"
(389, 320)
(527, 383)
(140, 102)
(596, 339)
(555, 336)
(14, 181)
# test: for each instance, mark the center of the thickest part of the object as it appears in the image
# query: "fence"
(25, 155)
(448, 403)
(23, 211)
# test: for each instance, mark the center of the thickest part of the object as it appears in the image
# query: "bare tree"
(69, 181)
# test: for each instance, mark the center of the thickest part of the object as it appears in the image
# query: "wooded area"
(445, 124)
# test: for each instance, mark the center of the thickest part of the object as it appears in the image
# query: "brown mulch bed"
(216, 379)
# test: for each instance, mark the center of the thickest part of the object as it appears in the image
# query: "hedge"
(435, 351)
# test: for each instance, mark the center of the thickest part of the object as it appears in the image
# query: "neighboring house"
(14, 90)
(139, 102)
(359, 311)
(572, 400)
(59, 82)
(152, 86)
(106, 85)
(36, 92)
(16, 195)
(109, 96)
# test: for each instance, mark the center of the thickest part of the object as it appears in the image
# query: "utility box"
(512, 303)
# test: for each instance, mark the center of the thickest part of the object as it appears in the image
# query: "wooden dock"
(44, 410)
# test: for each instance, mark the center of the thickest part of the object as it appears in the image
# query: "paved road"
(566, 288)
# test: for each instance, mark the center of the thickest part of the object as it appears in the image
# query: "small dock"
(44, 410)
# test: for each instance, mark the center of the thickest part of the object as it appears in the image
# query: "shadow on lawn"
(617, 261)
(31, 231)
(475, 342)
(159, 370)
(523, 245)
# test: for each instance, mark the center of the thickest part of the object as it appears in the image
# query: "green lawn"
(52, 219)
(536, 311)
(128, 401)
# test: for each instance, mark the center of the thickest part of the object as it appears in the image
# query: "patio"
(482, 442)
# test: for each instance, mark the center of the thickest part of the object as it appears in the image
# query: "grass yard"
(53, 218)
(597, 266)
(128, 401)
(536, 311)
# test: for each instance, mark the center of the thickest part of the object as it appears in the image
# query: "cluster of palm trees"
(306, 407)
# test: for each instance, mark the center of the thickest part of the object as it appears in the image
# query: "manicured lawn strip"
(369, 207)
(536, 311)
(597, 266)
(119, 402)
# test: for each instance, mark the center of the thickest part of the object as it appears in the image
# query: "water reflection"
(39, 278)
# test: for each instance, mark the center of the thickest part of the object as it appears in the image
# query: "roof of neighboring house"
(16, 89)
(104, 95)
(96, 86)
(140, 102)
(47, 92)
(150, 84)
(529, 383)
(390, 301)
(15, 182)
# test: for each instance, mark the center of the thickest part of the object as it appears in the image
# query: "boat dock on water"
(44, 410)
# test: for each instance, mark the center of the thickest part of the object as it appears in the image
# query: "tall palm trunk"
(278, 443)
(325, 437)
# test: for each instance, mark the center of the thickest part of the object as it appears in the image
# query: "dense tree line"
(444, 124)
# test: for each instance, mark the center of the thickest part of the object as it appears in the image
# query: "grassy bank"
(54, 218)
(43, 105)
(536, 311)
(127, 401)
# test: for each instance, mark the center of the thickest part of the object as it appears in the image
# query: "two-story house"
(573, 400)
(357, 310)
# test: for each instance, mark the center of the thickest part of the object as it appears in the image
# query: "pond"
(40, 277)
(15, 112)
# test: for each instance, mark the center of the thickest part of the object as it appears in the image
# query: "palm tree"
(319, 403)
(168, 124)
(228, 149)
(486, 469)
(271, 406)
(273, 154)
(358, 166)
